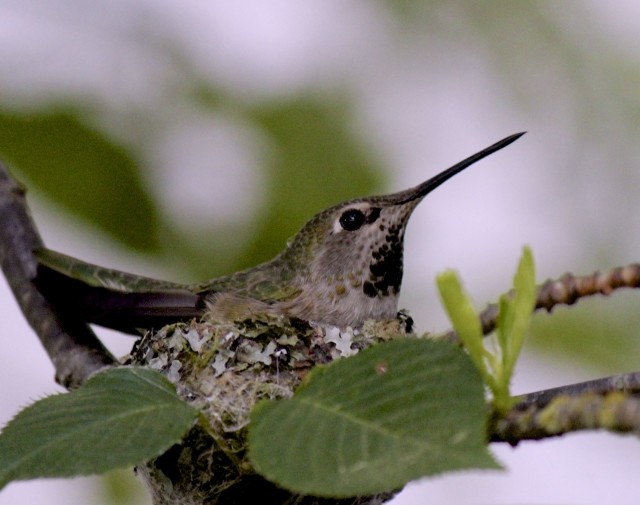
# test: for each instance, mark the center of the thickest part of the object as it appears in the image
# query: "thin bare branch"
(566, 290)
(71, 345)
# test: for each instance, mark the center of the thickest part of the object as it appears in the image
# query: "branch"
(614, 411)
(607, 403)
(623, 383)
(565, 291)
(71, 345)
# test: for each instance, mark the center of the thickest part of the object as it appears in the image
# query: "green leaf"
(464, 319)
(371, 423)
(503, 322)
(520, 309)
(120, 417)
(82, 170)
(512, 325)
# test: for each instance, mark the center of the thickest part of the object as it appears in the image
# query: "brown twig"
(71, 345)
(565, 291)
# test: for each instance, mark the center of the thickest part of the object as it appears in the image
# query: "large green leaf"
(120, 417)
(367, 424)
(82, 170)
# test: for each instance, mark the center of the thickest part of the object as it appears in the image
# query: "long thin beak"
(426, 187)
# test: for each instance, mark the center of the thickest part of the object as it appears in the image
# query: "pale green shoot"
(515, 310)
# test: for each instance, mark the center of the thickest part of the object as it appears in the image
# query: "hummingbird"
(342, 268)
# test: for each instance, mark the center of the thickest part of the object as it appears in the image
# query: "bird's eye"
(352, 219)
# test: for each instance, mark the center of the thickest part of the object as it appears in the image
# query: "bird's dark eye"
(352, 219)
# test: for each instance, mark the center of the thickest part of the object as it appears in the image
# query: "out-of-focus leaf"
(120, 487)
(601, 331)
(316, 162)
(83, 171)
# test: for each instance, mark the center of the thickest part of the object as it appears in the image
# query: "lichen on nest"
(224, 369)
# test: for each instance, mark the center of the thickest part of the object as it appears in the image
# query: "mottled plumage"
(342, 268)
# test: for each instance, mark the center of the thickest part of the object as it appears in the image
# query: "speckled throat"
(386, 264)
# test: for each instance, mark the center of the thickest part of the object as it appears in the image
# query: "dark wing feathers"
(113, 299)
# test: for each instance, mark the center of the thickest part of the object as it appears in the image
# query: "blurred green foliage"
(122, 487)
(315, 162)
(603, 332)
(83, 170)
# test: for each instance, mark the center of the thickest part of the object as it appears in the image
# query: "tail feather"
(116, 309)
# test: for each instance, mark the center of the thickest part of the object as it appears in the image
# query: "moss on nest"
(223, 370)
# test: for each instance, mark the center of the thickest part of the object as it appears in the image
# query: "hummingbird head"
(354, 250)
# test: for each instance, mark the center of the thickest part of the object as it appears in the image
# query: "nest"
(224, 370)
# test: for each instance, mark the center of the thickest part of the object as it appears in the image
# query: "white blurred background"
(427, 85)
